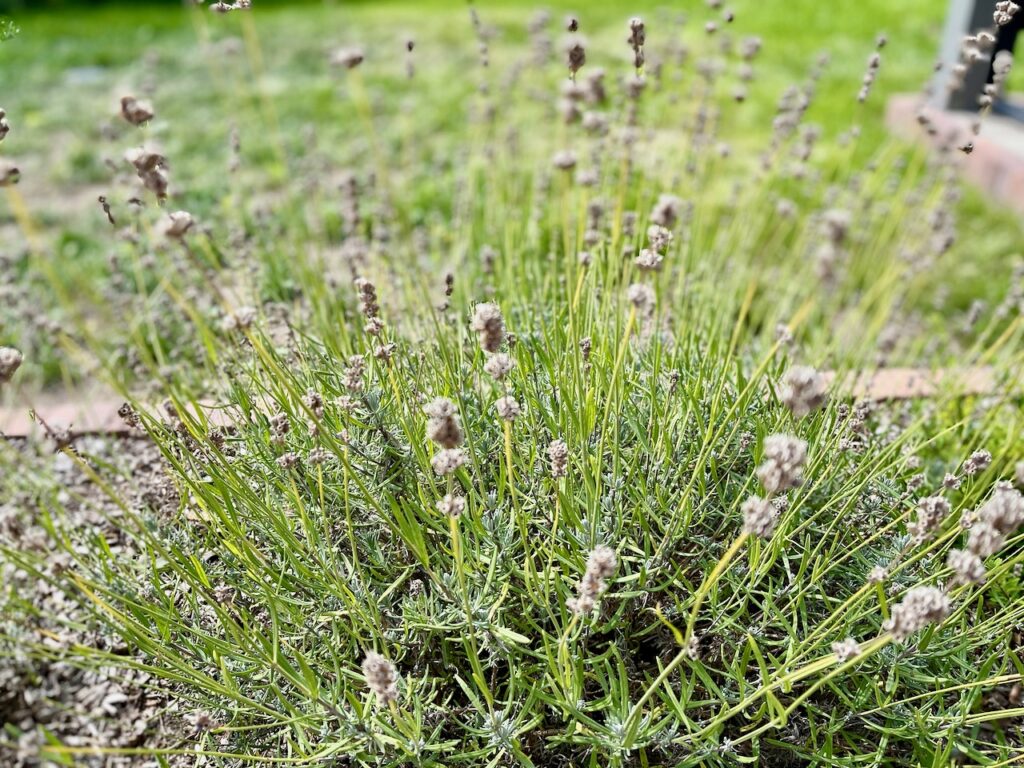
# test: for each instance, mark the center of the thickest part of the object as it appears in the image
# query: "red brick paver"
(97, 411)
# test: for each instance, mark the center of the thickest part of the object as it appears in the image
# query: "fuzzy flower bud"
(381, 677)
(575, 54)
(783, 463)
(649, 260)
(558, 453)
(443, 423)
(1004, 509)
(920, 607)
(349, 58)
(641, 296)
(659, 238)
(977, 462)
(507, 407)
(10, 174)
(967, 567)
(759, 517)
(136, 112)
(931, 511)
(448, 460)
(666, 211)
(984, 539)
(601, 565)
(180, 223)
(489, 326)
(353, 378)
(846, 649)
(1004, 12)
(803, 390)
(451, 505)
(499, 365)
(10, 362)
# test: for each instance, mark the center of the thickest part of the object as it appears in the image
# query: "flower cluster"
(803, 390)
(489, 325)
(381, 677)
(920, 607)
(135, 111)
(558, 453)
(600, 566)
(10, 362)
(444, 429)
(782, 467)
(151, 168)
(996, 519)
(931, 511)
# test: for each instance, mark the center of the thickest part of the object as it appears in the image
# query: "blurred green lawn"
(62, 76)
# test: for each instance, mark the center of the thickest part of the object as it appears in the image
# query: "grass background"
(65, 72)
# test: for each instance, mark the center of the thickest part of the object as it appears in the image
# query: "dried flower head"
(353, 377)
(280, 426)
(666, 211)
(803, 391)
(443, 423)
(967, 566)
(659, 238)
(641, 296)
(759, 517)
(151, 168)
(977, 462)
(10, 174)
(367, 297)
(783, 462)
(239, 319)
(349, 58)
(507, 407)
(920, 607)
(135, 111)
(314, 402)
(1004, 12)
(288, 460)
(846, 649)
(649, 260)
(558, 454)
(637, 38)
(318, 456)
(10, 362)
(931, 511)
(878, 574)
(575, 54)
(180, 223)
(499, 365)
(600, 566)
(564, 160)
(870, 74)
(451, 505)
(985, 539)
(1004, 509)
(381, 677)
(448, 460)
(489, 326)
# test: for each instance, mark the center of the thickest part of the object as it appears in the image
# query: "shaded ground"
(78, 706)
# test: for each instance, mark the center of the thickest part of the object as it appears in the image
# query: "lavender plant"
(512, 443)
